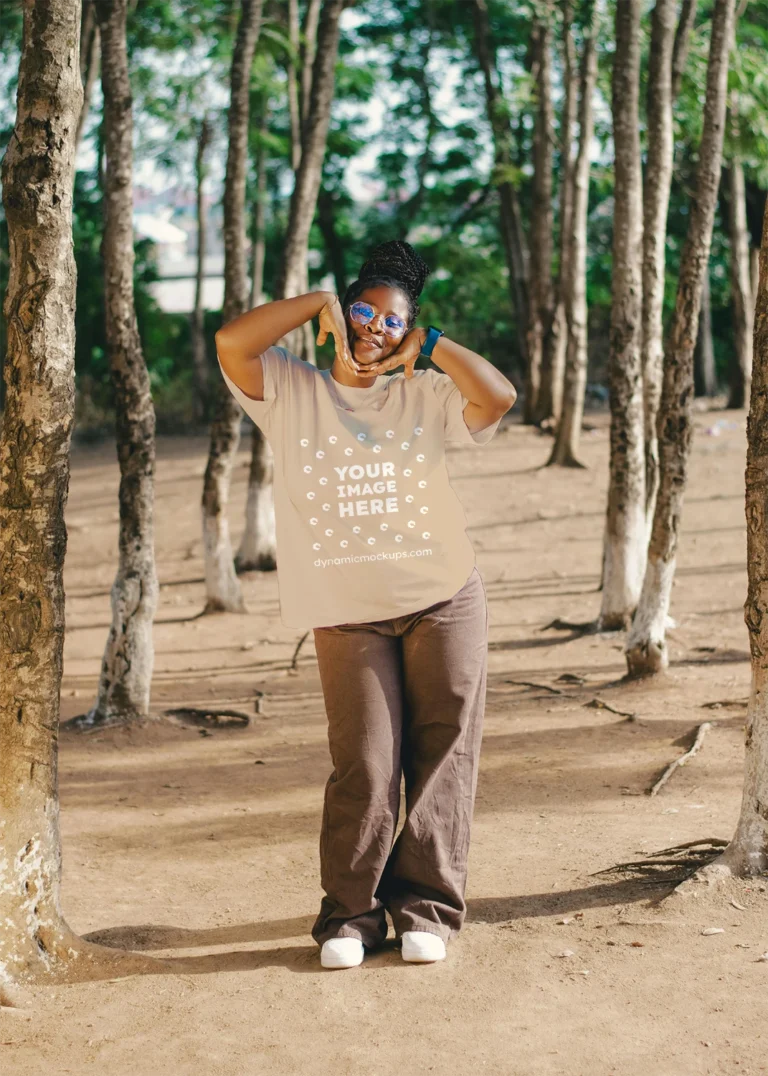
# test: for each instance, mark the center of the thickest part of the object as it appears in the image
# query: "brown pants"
(403, 696)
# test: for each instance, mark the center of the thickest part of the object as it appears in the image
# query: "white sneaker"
(421, 947)
(342, 953)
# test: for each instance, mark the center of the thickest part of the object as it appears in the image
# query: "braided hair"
(394, 264)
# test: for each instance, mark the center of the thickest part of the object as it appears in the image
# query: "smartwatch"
(433, 335)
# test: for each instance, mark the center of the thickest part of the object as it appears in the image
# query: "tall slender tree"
(513, 235)
(38, 173)
(199, 357)
(36, 943)
(259, 210)
(126, 668)
(747, 852)
(704, 379)
(625, 531)
(646, 649)
(742, 305)
(565, 451)
(90, 55)
(290, 277)
(556, 342)
(223, 591)
(257, 548)
(538, 393)
(667, 46)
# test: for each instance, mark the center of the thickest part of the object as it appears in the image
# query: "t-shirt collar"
(354, 395)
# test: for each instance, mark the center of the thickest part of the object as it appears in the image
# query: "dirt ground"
(203, 848)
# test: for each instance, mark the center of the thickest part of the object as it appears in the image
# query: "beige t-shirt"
(368, 525)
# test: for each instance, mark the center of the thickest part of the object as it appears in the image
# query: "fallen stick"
(530, 683)
(294, 660)
(584, 627)
(598, 704)
(701, 732)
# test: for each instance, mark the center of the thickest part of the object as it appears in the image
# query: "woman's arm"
(240, 342)
(489, 393)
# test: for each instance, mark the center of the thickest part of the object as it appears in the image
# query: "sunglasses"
(362, 313)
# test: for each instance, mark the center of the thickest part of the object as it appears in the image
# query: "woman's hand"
(406, 354)
(332, 321)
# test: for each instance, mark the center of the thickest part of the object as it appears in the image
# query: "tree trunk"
(704, 378)
(292, 275)
(625, 530)
(334, 248)
(37, 176)
(223, 591)
(512, 233)
(36, 944)
(656, 191)
(126, 668)
(747, 854)
(646, 645)
(565, 452)
(199, 355)
(307, 52)
(538, 395)
(259, 212)
(90, 56)
(682, 42)
(257, 546)
(556, 343)
(293, 89)
(741, 289)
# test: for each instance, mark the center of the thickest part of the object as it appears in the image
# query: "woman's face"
(369, 343)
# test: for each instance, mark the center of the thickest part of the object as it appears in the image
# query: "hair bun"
(397, 259)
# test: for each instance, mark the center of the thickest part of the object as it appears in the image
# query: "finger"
(322, 336)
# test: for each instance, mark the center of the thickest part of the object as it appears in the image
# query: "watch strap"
(433, 335)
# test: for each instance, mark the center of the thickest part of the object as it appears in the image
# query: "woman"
(373, 555)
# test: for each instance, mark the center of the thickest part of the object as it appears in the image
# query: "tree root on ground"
(700, 733)
(671, 866)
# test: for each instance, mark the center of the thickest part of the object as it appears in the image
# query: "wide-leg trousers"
(404, 697)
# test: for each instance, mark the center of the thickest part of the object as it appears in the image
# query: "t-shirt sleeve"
(274, 363)
(453, 403)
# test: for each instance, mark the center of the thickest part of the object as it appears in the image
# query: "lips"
(369, 343)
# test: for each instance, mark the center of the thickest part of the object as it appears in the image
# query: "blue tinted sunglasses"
(362, 313)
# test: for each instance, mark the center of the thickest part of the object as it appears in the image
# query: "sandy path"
(203, 849)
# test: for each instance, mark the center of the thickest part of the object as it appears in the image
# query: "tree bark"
(747, 853)
(646, 649)
(625, 530)
(90, 56)
(307, 52)
(741, 289)
(199, 355)
(565, 452)
(656, 191)
(704, 378)
(538, 394)
(292, 273)
(223, 591)
(682, 43)
(257, 547)
(293, 89)
(512, 233)
(556, 343)
(126, 668)
(259, 212)
(37, 178)
(326, 218)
